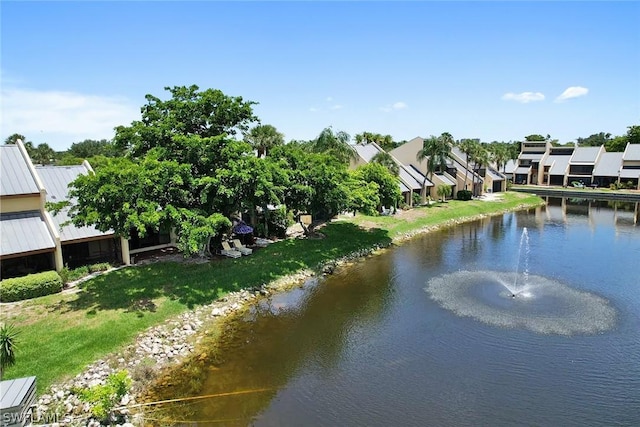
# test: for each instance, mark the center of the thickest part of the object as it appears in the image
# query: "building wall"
(28, 202)
(406, 153)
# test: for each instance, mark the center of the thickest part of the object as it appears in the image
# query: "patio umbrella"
(242, 228)
(244, 232)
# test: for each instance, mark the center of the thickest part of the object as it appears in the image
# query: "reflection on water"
(368, 346)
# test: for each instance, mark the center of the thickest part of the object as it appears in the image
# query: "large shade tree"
(182, 170)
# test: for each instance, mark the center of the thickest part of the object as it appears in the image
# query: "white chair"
(241, 248)
(228, 251)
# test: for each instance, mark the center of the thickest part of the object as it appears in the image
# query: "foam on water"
(543, 305)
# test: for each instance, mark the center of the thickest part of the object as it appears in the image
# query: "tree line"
(183, 167)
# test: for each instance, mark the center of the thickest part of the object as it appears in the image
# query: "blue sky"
(489, 70)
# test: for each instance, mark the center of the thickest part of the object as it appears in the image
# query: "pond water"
(391, 341)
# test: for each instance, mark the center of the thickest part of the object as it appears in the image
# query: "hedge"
(31, 286)
(463, 195)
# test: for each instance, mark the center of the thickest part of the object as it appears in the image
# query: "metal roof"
(495, 175)
(15, 176)
(522, 170)
(417, 175)
(629, 173)
(409, 180)
(510, 166)
(608, 165)
(531, 156)
(445, 179)
(404, 188)
(585, 155)
(559, 165)
(14, 392)
(56, 180)
(24, 232)
(632, 152)
(366, 151)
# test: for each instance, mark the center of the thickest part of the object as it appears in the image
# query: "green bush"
(31, 286)
(279, 221)
(463, 195)
(103, 398)
(73, 275)
(103, 266)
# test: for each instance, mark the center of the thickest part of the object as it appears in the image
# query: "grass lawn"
(61, 334)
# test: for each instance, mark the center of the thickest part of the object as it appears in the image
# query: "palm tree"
(468, 147)
(480, 159)
(43, 154)
(263, 138)
(499, 155)
(7, 347)
(436, 150)
(386, 160)
(336, 144)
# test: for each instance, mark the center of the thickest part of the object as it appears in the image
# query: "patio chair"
(241, 248)
(228, 251)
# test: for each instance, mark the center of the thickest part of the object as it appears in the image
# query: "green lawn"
(61, 334)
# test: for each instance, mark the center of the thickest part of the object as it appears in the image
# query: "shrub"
(463, 195)
(416, 199)
(103, 266)
(103, 398)
(73, 275)
(31, 286)
(279, 221)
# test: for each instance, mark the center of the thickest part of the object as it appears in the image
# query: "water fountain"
(519, 299)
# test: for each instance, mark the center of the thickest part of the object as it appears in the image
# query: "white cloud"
(337, 107)
(572, 92)
(524, 97)
(395, 106)
(61, 118)
(313, 109)
(329, 99)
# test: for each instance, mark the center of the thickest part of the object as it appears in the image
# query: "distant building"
(411, 181)
(540, 163)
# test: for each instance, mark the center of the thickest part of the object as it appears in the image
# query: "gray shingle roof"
(14, 229)
(56, 180)
(608, 165)
(15, 177)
